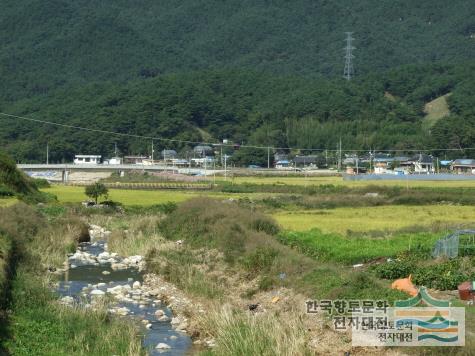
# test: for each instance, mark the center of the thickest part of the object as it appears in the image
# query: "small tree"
(96, 190)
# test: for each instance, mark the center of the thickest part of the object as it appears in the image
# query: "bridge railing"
(150, 185)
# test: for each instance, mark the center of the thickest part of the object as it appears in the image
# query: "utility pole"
(47, 153)
(349, 71)
(370, 161)
(268, 157)
(339, 156)
(225, 167)
(152, 152)
(221, 156)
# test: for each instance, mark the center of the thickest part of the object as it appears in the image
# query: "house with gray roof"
(463, 166)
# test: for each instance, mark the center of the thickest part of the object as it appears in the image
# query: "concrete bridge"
(63, 172)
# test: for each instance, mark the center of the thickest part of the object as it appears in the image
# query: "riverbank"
(37, 324)
(239, 289)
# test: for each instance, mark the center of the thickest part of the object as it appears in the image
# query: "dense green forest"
(266, 73)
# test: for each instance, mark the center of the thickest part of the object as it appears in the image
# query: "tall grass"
(245, 237)
(136, 236)
(187, 269)
(39, 239)
(37, 325)
(5, 251)
(237, 333)
(40, 326)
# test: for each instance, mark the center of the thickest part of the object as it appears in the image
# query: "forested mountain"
(260, 72)
(377, 112)
(47, 43)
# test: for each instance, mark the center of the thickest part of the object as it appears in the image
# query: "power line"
(155, 138)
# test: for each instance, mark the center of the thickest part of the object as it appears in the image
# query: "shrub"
(394, 269)
(443, 276)
(40, 183)
(53, 211)
(260, 260)
(267, 283)
(6, 192)
(265, 224)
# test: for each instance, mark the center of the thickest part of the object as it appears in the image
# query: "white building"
(114, 160)
(87, 159)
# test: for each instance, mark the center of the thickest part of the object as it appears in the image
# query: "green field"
(70, 194)
(341, 220)
(384, 218)
(336, 248)
(302, 181)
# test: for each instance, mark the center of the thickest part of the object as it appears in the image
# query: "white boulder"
(163, 346)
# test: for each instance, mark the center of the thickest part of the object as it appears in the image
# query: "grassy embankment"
(37, 324)
(5, 256)
(14, 185)
(30, 244)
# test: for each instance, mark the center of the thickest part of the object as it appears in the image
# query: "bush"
(6, 192)
(40, 183)
(260, 260)
(265, 224)
(210, 223)
(53, 211)
(443, 276)
(267, 283)
(394, 269)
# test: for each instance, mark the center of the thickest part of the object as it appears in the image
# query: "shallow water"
(75, 280)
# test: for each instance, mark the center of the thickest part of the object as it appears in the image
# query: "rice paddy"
(73, 194)
(308, 181)
(381, 218)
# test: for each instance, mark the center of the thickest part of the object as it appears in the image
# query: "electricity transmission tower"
(349, 70)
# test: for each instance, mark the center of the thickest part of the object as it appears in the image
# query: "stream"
(95, 273)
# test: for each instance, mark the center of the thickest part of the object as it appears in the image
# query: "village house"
(421, 164)
(113, 160)
(203, 162)
(135, 159)
(305, 161)
(463, 166)
(202, 151)
(282, 164)
(87, 159)
(169, 155)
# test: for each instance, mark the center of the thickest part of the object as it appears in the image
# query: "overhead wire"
(157, 138)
